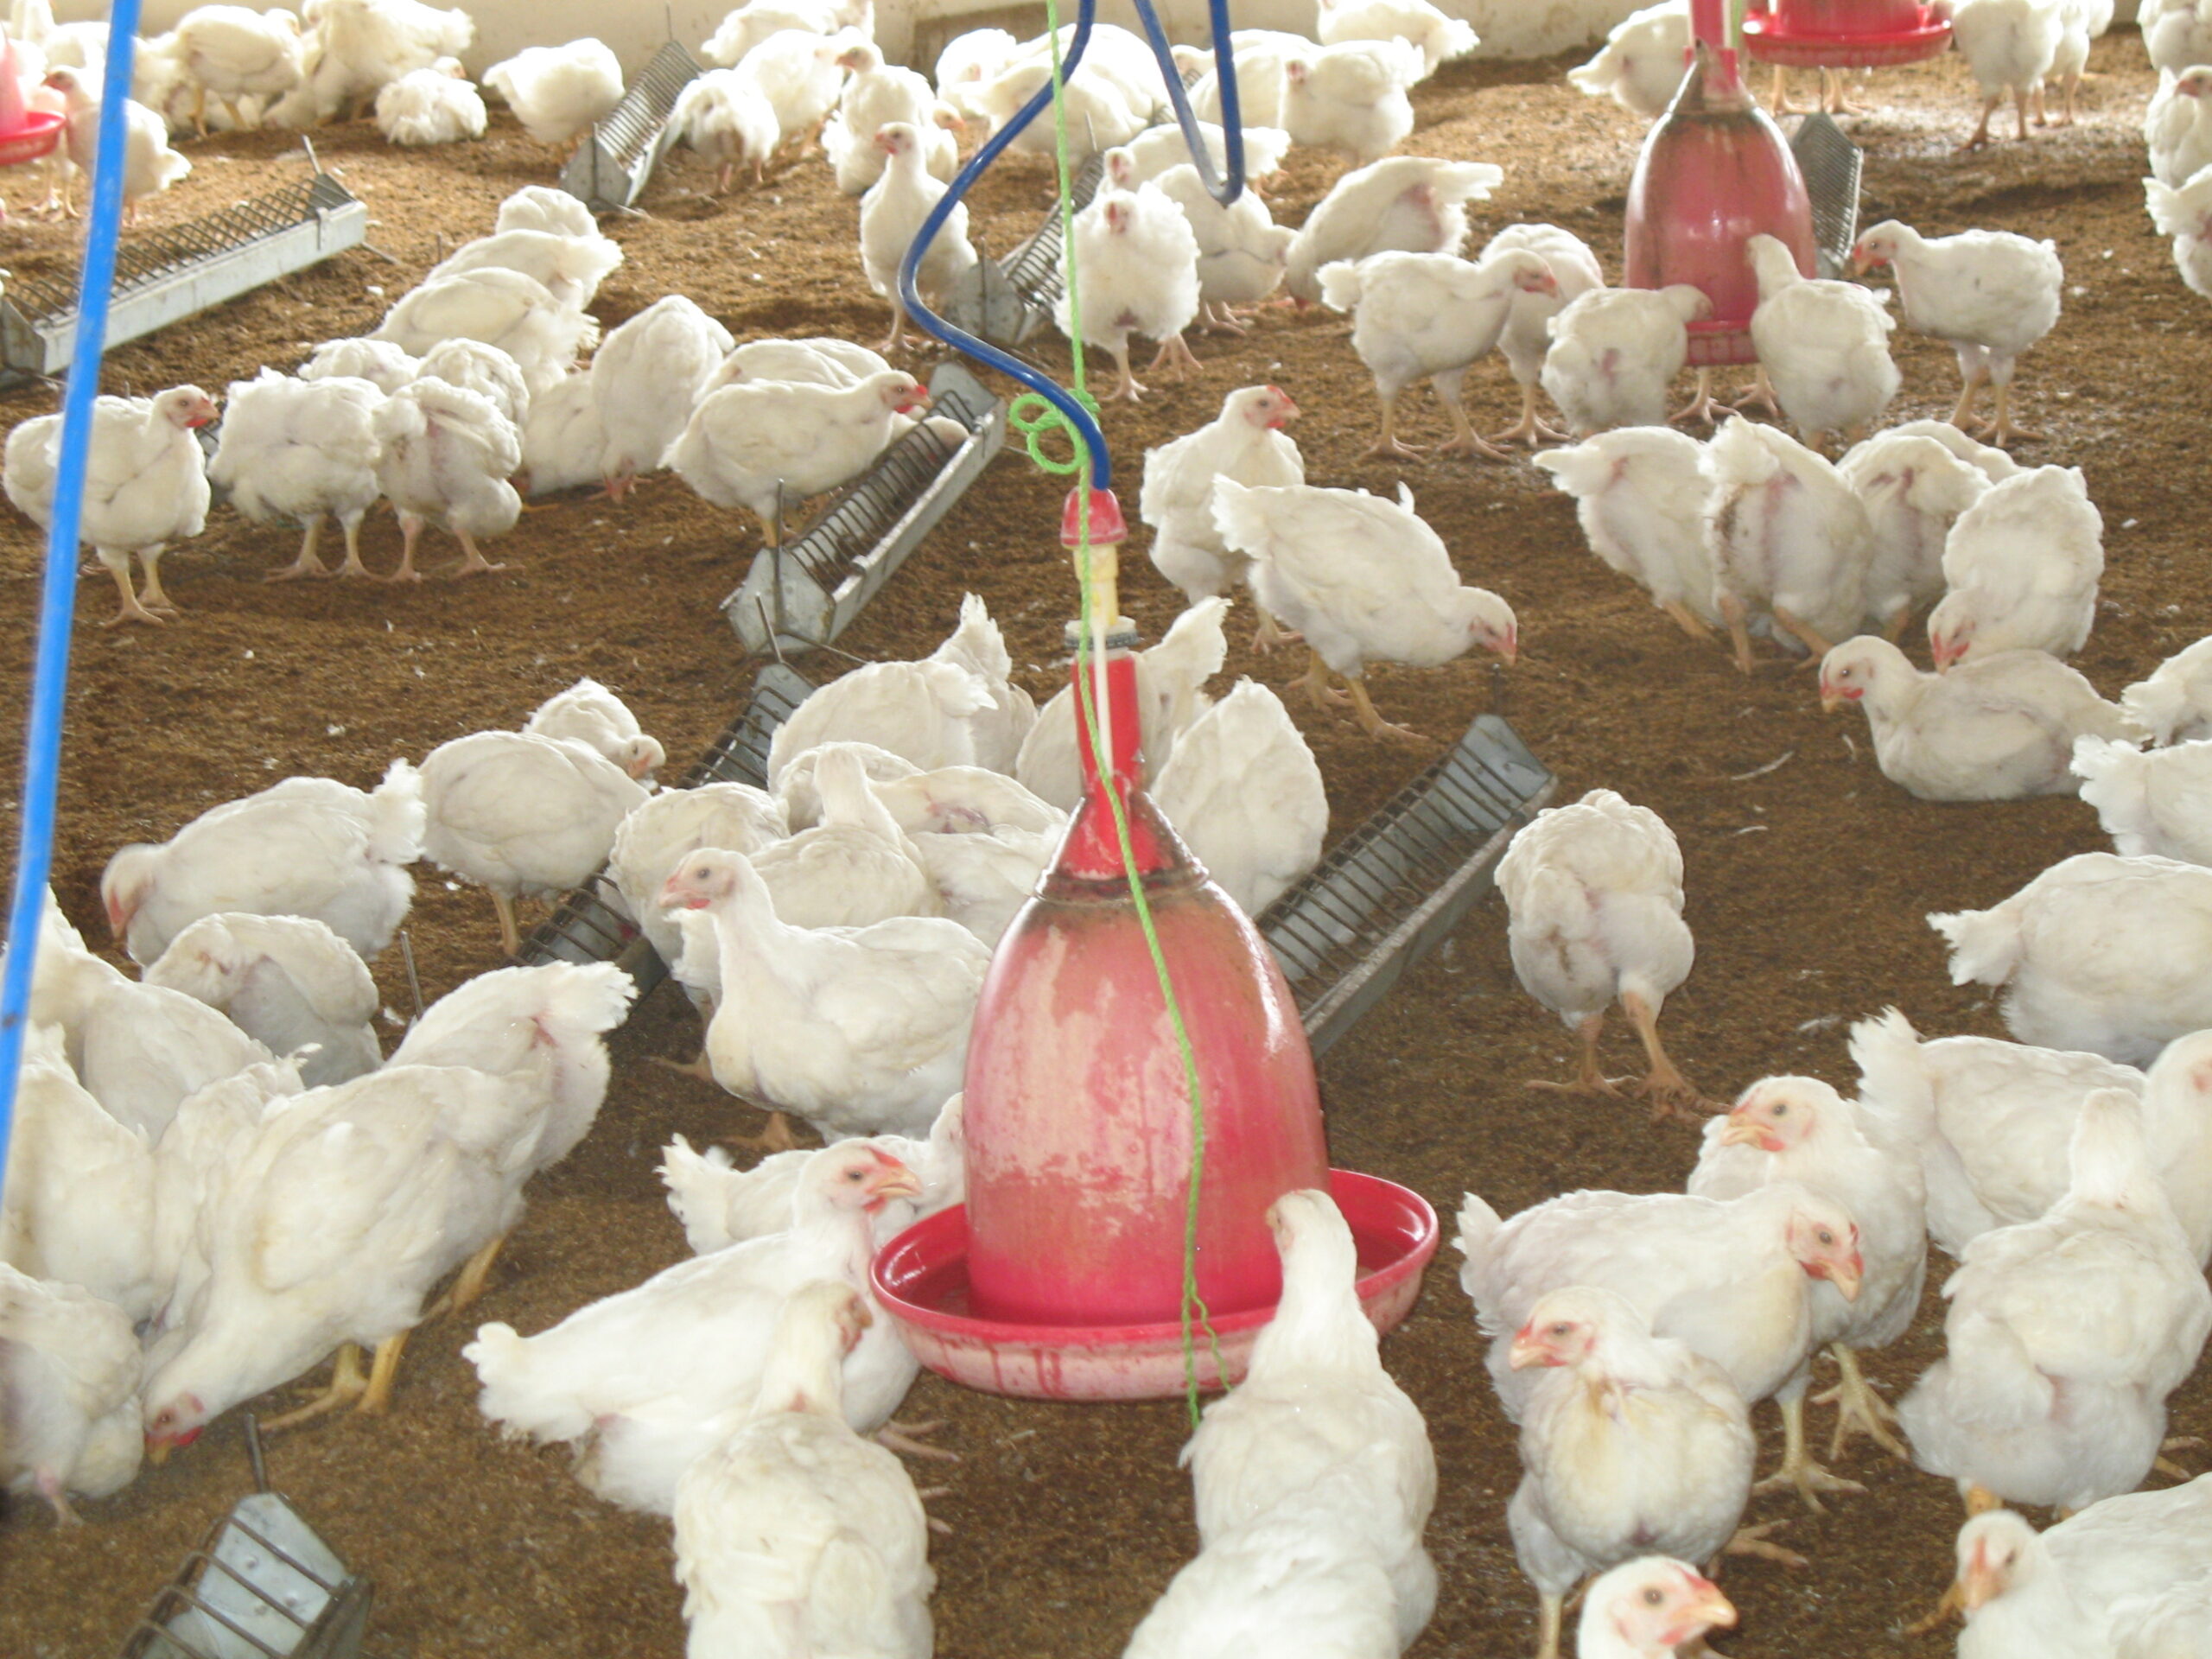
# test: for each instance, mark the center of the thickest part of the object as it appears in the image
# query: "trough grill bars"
(162, 276)
(1006, 301)
(1831, 165)
(610, 168)
(808, 591)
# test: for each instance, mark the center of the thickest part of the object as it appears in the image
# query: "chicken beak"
(157, 1452)
(1846, 1275)
(894, 1181)
(1860, 263)
(1510, 649)
(1831, 699)
(1742, 1132)
(1978, 1583)
(1529, 1352)
(1709, 1608)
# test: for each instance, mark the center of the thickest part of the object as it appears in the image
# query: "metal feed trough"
(1006, 301)
(591, 925)
(808, 591)
(610, 168)
(162, 276)
(1830, 164)
(262, 1586)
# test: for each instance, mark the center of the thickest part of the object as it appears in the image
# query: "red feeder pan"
(1715, 172)
(25, 134)
(921, 1278)
(1845, 33)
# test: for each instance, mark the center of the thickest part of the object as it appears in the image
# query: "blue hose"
(1094, 438)
(42, 774)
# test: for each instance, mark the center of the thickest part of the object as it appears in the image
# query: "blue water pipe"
(42, 774)
(1223, 190)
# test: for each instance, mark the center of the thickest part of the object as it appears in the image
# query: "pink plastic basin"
(1845, 34)
(921, 1278)
(36, 137)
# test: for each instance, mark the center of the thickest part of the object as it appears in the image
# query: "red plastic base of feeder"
(1845, 34)
(921, 1278)
(1718, 344)
(40, 132)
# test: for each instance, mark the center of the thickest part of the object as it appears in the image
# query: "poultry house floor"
(1808, 874)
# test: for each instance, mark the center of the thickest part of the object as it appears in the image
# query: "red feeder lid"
(1845, 33)
(1107, 524)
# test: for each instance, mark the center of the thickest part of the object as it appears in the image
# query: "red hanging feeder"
(1063, 1274)
(25, 134)
(1715, 172)
(1845, 33)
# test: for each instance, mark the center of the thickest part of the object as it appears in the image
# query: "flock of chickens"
(218, 1179)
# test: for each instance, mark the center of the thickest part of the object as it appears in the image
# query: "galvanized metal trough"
(1831, 165)
(164, 276)
(1006, 301)
(609, 170)
(808, 591)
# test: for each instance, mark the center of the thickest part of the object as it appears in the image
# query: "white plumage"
(1639, 497)
(570, 267)
(2185, 214)
(436, 106)
(2022, 565)
(380, 362)
(1787, 537)
(356, 47)
(1912, 489)
(1440, 37)
(1245, 442)
(2152, 803)
(1614, 353)
(1528, 335)
(1352, 97)
(302, 449)
(897, 203)
(1170, 693)
(69, 1372)
(587, 712)
(1136, 265)
(1242, 253)
(1642, 62)
(287, 981)
(445, 457)
(2176, 703)
(723, 116)
(645, 378)
(1243, 791)
(1824, 345)
(1410, 204)
(557, 91)
(2177, 126)
(2010, 46)
(500, 306)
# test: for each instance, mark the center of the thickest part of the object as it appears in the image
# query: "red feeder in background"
(1845, 34)
(1715, 172)
(25, 134)
(1063, 1274)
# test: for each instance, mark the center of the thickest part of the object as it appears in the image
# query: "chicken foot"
(896, 340)
(904, 1437)
(776, 1137)
(133, 608)
(1269, 634)
(1315, 682)
(307, 564)
(2166, 1465)
(348, 1384)
(1390, 443)
(1859, 1408)
(1589, 1077)
(1702, 406)
(411, 533)
(1371, 719)
(1175, 355)
(1798, 1469)
(1127, 387)
(1531, 428)
(1759, 392)
(473, 563)
(2001, 432)
(1687, 619)
(383, 1376)
(50, 1488)
(1465, 440)
(1751, 1540)
(1671, 1094)
(1805, 635)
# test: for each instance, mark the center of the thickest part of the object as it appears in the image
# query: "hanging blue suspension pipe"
(41, 773)
(1223, 190)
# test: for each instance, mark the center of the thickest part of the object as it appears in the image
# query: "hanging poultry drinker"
(807, 591)
(262, 1585)
(609, 170)
(1845, 33)
(1715, 172)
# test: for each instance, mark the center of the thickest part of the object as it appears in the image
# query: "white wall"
(635, 28)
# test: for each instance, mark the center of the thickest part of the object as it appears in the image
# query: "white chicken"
(1101, 115)
(69, 1368)
(563, 439)
(1352, 97)
(1157, 151)
(796, 73)
(820, 361)
(857, 1030)
(234, 52)
(1607, 1480)
(503, 307)
(976, 644)
(445, 456)
(746, 27)
(1244, 792)
(520, 815)
(1409, 204)
(1317, 1402)
(984, 877)
(2175, 704)
(1593, 905)
(1242, 253)
(288, 982)
(1246, 441)
(1641, 63)
(924, 713)
(1823, 345)
(1136, 267)
(557, 93)
(1614, 353)
(2176, 34)
(1259, 56)
(1431, 316)
(1993, 463)
(1440, 37)
(722, 115)
(1364, 580)
(571, 268)
(302, 449)
(650, 1379)
(380, 362)
(1988, 294)
(2022, 565)
(587, 712)
(1640, 498)
(436, 106)
(795, 1523)
(2185, 214)
(975, 55)
(961, 800)
(1787, 538)
(356, 47)
(484, 370)
(2152, 803)
(2177, 126)
(645, 379)
(1654, 1608)
(1528, 335)
(149, 166)
(749, 446)
(892, 212)
(2099, 952)
(875, 94)
(2080, 22)
(1997, 728)
(854, 866)
(541, 207)
(306, 847)
(1913, 489)
(661, 830)
(2065, 1335)
(145, 485)
(2009, 45)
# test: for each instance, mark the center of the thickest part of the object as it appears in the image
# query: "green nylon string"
(1032, 416)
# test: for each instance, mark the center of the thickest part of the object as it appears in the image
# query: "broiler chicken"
(1998, 728)
(356, 47)
(445, 457)
(1352, 97)
(1101, 114)
(69, 1370)
(380, 362)
(571, 268)
(1629, 1443)
(749, 446)
(503, 307)
(587, 712)
(854, 866)
(977, 644)
(145, 485)
(1157, 151)
(746, 27)
(287, 981)
(2185, 214)
(557, 93)
(821, 361)
(875, 94)
(1528, 335)
(1593, 905)
(436, 106)
(2065, 1335)
(149, 166)
(1654, 1608)
(1988, 294)
(1244, 792)
(1640, 497)
(1242, 253)
(1614, 353)
(2175, 704)
(1642, 62)
(650, 1379)
(2177, 126)
(984, 877)
(2022, 565)
(484, 370)
(796, 74)
(1409, 204)
(722, 115)
(795, 1523)
(1136, 267)
(1433, 316)
(2176, 34)
(1316, 1403)
(1439, 37)
(892, 213)
(2152, 803)
(541, 207)
(302, 449)
(1787, 537)
(1912, 490)
(233, 53)
(1824, 346)
(515, 814)
(306, 847)
(1246, 441)
(2010, 46)
(1364, 580)
(924, 713)
(645, 378)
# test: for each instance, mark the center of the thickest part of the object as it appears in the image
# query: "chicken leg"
(1390, 443)
(1315, 682)
(1859, 1408)
(348, 1384)
(776, 1137)
(897, 338)
(1687, 619)
(1551, 1613)
(1531, 428)
(50, 1488)
(1670, 1093)
(1127, 387)
(352, 567)
(1175, 354)
(1589, 1076)
(509, 934)
(896, 1436)
(2001, 432)
(466, 1287)
(1809, 637)
(1798, 1469)
(1465, 440)
(1759, 392)
(1702, 406)
(383, 1374)
(132, 609)
(411, 533)
(1732, 613)
(473, 562)
(1982, 132)
(1751, 1540)
(307, 564)
(1370, 720)
(1269, 634)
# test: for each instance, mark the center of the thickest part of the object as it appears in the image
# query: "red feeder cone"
(1715, 172)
